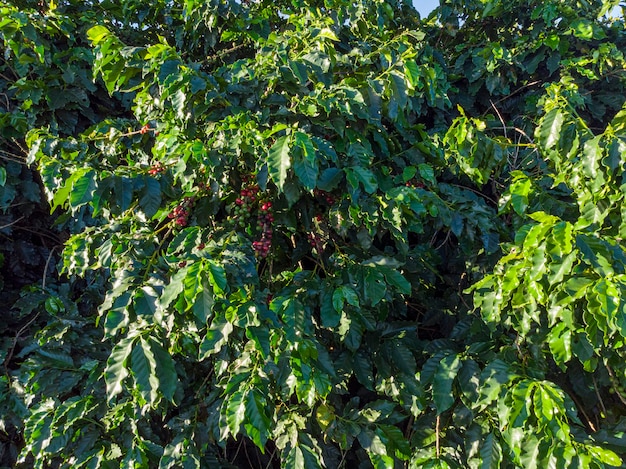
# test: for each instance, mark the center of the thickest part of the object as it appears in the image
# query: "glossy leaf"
(116, 370)
(550, 129)
(443, 397)
(279, 161)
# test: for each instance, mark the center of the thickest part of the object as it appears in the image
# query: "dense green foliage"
(312, 234)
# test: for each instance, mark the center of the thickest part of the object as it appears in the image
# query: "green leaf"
(97, 33)
(519, 191)
(293, 315)
(550, 128)
(558, 270)
(363, 369)
(165, 370)
(215, 338)
(193, 282)
(118, 317)
(395, 278)
(329, 179)
(144, 302)
(3, 176)
(490, 452)
(560, 340)
(150, 200)
(203, 305)
(279, 161)
(217, 276)
(468, 379)
(358, 174)
(395, 438)
(592, 155)
(343, 294)
(179, 102)
(261, 338)
(329, 314)
(412, 71)
(307, 171)
(605, 455)
(443, 397)
(173, 289)
(116, 370)
(123, 189)
(235, 408)
(143, 367)
(582, 28)
(427, 173)
(595, 251)
(294, 458)
(63, 194)
(259, 426)
(403, 358)
(374, 286)
(372, 443)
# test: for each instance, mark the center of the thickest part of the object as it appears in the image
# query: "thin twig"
(343, 458)
(9, 356)
(225, 52)
(269, 463)
(518, 130)
(437, 435)
(8, 156)
(45, 269)
(238, 449)
(595, 388)
(582, 410)
(18, 144)
(12, 223)
(615, 383)
(527, 85)
(444, 241)
(499, 117)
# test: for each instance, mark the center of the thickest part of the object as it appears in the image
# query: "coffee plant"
(316, 234)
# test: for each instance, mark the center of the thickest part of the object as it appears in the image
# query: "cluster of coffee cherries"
(180, 214)
(265, 220)
(248, 196)
(156, 169)
(415, 184)
(325, 196)
(315, 240)
(250, 199)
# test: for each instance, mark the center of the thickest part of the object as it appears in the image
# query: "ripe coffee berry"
(325, 196)
(156, 169)
(181, 212)
(264, 222)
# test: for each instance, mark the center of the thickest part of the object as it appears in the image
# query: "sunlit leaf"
(279, 161)
(443, 397)
(550, 128)
(116, 370)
